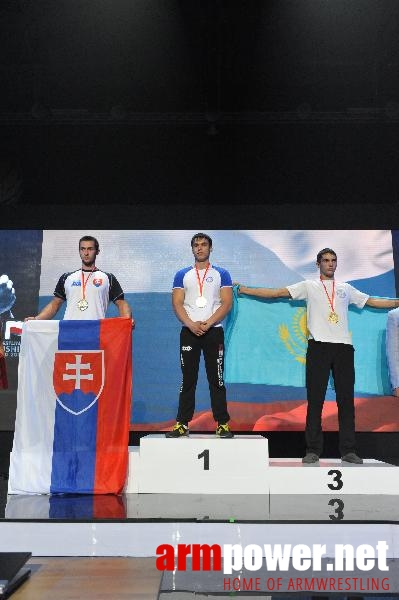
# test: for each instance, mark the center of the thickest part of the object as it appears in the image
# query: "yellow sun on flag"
(296, 339)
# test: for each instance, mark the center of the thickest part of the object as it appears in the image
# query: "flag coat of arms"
(73, 407)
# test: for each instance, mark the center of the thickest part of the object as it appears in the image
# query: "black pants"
(321, 358)
(191, 346)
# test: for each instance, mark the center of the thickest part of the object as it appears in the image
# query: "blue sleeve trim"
(225, 277)
(179, 277)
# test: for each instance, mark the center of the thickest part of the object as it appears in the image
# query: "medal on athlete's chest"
(333, 317)
(201, 301)
(83, 304)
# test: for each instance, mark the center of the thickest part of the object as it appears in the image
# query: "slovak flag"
(73, 407)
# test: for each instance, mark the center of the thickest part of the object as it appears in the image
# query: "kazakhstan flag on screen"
(266, 343)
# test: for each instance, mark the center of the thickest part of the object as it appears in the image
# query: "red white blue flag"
(73, 409)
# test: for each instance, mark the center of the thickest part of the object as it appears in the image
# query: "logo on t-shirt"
(97, 282)
(341, 293)
(209, 279)
(76, 283)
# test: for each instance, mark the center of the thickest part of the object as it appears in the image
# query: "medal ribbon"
(330, 300)
(201, 283)
(84, 283)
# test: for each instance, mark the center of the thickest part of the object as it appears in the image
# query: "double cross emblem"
(78, 379)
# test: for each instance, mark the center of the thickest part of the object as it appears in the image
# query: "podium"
(291, 476)
(201, 464)
(205, 464)
(209, 490)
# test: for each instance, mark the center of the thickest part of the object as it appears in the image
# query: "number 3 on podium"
(337, 479)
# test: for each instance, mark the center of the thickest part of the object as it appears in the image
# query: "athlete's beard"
(88, 263)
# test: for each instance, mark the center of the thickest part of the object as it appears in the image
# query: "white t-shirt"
(318, 308)
(215, 278)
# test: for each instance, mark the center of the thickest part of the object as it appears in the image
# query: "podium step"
(203, 464)
(132, 479)
(332, 477)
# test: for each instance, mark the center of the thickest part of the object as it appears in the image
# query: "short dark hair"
(200, 236)
(324, 251)
(90, 238)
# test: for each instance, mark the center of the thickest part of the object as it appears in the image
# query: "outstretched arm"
(49, 311)
(125, 310)
(264, 292)
(383, 302)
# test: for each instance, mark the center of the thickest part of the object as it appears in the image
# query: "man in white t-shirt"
(329, 349)
(87, 291)
(201, 297)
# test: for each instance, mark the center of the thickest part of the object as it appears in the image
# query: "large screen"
(265, 340)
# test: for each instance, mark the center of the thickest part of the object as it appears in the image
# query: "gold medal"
(83, 304)
(333, 317)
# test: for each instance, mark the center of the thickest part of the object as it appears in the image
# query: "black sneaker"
(310, 458)
(224, 431)
(179, 430)
(352, 457)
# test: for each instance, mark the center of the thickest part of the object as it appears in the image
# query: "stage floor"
(199, 508)
(135, 524)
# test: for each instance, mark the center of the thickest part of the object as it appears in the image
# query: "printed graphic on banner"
(20, 256)
(13, 329)
(78, 379)
(265, 346)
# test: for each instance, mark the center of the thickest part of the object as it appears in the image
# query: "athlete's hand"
(205, 327)
(7, 294)
(196, 328)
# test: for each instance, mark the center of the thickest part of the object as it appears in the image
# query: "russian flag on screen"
(73, 407)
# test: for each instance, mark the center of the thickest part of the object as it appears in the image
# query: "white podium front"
(332, 476)
(203, 464)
